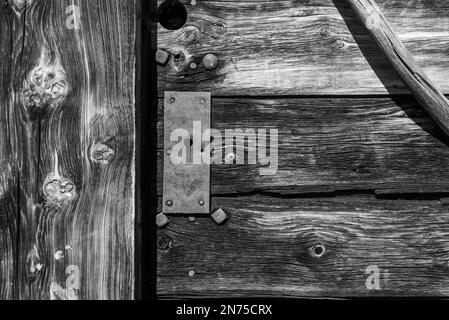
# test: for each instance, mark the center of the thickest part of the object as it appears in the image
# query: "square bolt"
(219, 216)
(162, 57)
(161, 220)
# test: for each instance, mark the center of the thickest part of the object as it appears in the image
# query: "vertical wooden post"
(73, 108)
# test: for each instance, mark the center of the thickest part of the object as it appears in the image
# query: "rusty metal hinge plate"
(186, 177)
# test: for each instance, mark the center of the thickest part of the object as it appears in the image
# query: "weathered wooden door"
(67, 146)
(354, 208)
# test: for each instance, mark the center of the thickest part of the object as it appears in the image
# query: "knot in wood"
(315, 250)
(318, 251)
(164, 242)
(59, 293)
(190, 34)
(222, 29)
(179, 61)
(340, 44)
(20, 5)
(102, 153)
(45, 85)
(324, 33)
(33, 262)
(58, 192)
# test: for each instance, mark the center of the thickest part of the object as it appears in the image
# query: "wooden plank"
(426, 93)
(268, 248)
(386, 145)
(299, 47)
(11, 132)
(76, 142)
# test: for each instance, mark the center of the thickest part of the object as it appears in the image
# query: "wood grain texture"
(421, 86)
(11, 140)
(299, 47)
(268, 249)
(71, 105)
(383, 145)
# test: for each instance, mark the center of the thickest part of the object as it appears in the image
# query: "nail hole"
(172, 14)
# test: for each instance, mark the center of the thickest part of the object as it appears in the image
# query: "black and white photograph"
(222, 157)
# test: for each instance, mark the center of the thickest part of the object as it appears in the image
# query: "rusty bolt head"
(162, 57)
(219, 216)
(210, 61)
(161, 220)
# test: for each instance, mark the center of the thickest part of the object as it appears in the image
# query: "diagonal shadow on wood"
(388, 76)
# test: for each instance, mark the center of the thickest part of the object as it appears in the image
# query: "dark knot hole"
(172, 14)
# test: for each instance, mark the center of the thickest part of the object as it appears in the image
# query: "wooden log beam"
(67, 145)
(421, 86)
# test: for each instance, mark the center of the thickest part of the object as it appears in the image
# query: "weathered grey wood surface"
(268, 249)
(384, 145)
(421, 86)
(299, 47)
(67, 149)
(9, 178)
(367, 148)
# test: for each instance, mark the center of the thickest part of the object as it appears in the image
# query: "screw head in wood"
(169, 203)
(191, 219)
(161, 220)
(172, 100)
(210, 61)
(193, 66)
(168, 152)
(219, 216)
(162, 57)
(201, 202)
